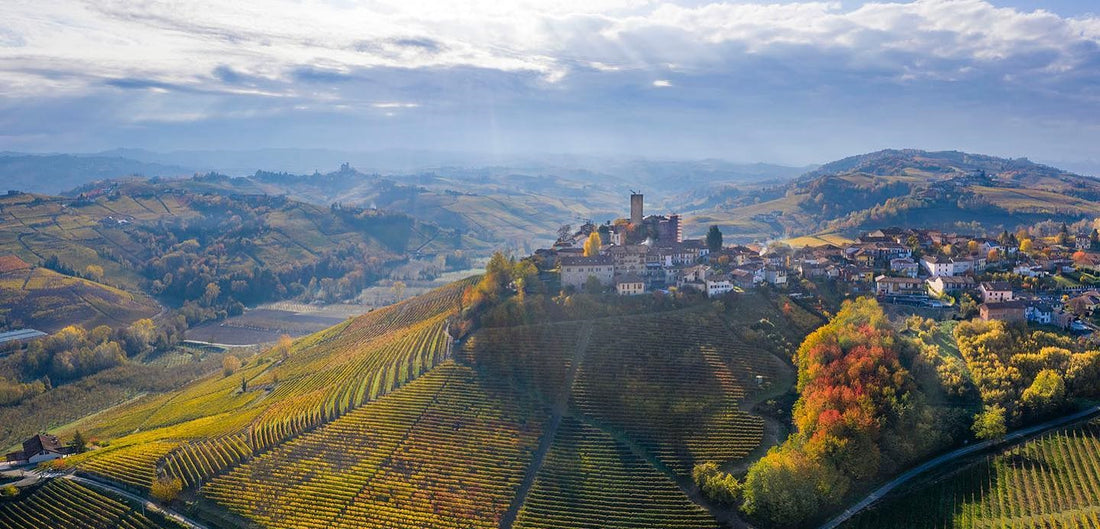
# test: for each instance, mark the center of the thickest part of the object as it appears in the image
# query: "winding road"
(1011, 438)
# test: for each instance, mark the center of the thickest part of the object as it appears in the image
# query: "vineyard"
(215, 424)
(62, 504)
(1049, 482)
(679, 379)
(376, 423)
(591, 481)
(445, 451)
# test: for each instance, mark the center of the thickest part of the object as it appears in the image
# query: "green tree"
(592, 285)
(714, 239)
(78, 444)
(990, 423)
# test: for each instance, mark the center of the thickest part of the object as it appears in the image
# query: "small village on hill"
(1013, 277)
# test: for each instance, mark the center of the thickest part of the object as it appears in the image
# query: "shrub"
(9, 491)
(166, 489)
(717, 485)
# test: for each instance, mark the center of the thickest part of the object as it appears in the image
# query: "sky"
(788, 82)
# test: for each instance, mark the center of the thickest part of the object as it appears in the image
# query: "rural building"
(41, 447)
(775, 275)
(575, 271)
(938, 266)
(718, 287)
(630, 285)
(995, 291)
(904, 266)
(1041, 313)
(942, 285)
(1003, 311)
(899, 286)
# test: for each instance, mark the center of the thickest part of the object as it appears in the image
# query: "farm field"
(1049, 482)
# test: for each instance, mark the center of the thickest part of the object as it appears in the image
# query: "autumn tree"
(990, 423)
(166, 489)
(93, 272)
(592, 244)
(230, 365)
(1026, 246)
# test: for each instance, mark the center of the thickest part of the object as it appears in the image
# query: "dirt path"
(561, 405)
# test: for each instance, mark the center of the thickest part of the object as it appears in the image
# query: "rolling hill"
(945, 190)
(382, 422)
(117, 243)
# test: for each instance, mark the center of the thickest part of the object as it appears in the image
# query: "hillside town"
(1015, 277)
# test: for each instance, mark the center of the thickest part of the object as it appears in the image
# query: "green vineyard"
(591, 481)
(1050, 482)
(444, 451)
(62, 504)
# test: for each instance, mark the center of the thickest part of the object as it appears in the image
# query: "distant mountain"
(947, 190)
(55, 173)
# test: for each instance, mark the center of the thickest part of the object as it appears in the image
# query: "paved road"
(1012, 438)
(150, 506)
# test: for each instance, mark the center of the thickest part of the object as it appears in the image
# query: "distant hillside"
(212, 251)
(934, 189)
(55, 173)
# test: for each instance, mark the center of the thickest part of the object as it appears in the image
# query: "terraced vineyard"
(1050, 482)
(591, 481)
(213, 425)
(62, 504)
(445, 451)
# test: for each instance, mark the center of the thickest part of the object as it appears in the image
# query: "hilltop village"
(1023, 276)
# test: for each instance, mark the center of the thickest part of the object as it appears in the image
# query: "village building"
(949, 285)
(1010, 311)
(575, 271)
(938, 266)
(995, 291)
(629, 285)
(1040, 313)
(899, 286)
(718, 287)
(904, 266)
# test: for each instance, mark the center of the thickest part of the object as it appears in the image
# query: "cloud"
(744, 65)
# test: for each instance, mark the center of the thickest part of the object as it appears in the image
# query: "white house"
(904, 266)
(938, 266)
(775, 275)
(718, 287)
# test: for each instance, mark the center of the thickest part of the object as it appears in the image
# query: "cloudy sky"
(791, 82)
